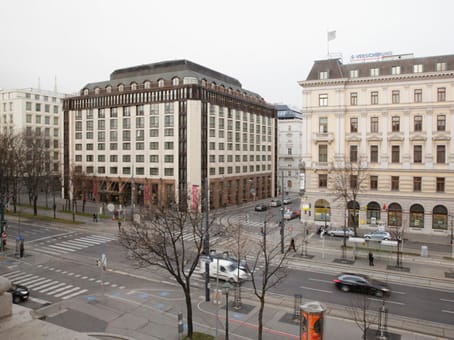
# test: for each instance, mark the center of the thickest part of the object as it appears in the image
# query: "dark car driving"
(348, 282)
(261, 207)
(20, 293)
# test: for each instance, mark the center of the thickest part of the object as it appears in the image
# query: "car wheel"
(345, 289)
(16, 299)
(379, 293)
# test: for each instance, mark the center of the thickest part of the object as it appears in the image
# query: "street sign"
(110, 207)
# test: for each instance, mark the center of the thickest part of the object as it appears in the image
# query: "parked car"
(275, 203)
(20, 293)
(261, 207)
(347, 282)
(291, 214)
(339, 232)
(287, 200)
(378, 236)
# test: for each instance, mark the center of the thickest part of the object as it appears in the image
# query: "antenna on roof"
(55, 84)
(39, 83)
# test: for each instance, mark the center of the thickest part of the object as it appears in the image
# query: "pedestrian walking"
(292, 245)
(119, 225)
(21, 249)
(371, 259)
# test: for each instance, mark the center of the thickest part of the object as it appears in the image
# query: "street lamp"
(226, 288)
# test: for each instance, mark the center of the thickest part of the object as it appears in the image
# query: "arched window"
(322, 211)
(440, 217)
(120, 87)
(108, 89)
(204, 82)
(133, 86)
(395, 215)
(416, 216)
(97, 90)
(213, 85)
(175, 81)
(161, 83)
(373, 212)
(147, 84)
(85, 92)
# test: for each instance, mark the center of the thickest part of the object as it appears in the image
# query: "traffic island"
(344, 261)
(398, 268)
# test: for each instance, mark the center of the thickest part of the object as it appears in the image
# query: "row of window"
(394, 70)
(395, 153)
(42, 132)
(395, 97)
(395, 181)
(395, 124)
(38, 97)
(39, 107)
(39, 119)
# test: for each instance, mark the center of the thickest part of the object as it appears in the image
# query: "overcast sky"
(268, 45)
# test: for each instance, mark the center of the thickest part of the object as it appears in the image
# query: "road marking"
(318, 290)
(48, 237)
(67, 292)
(401, 293)
(41, 301)
(318, 280)
(60, 248)
(447, 311)
(69, 245)
(52, 287)
(447, 300)
(45, 285)
(74, 294)
(28, 280)
(39, 282)
(59, 289)
(388, 301)
(48, 252)
(16, 278)
(11, 273)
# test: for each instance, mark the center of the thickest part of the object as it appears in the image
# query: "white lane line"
(48, 252)
(52, 292)
(401, 293)
(89, 240)
(319, 280)
(37, 283)
(388, 301)
(47, 237)
(75, 243)
(62, 248)
(447, 300)
(99, 238)
(29, 280)
(52, 287)
(16, 278)
(447, 311)
(11, 273)
(77, 275)
(84, 277)
(67, 292)
(41, 301)
(318, 290)
(69, 245)
(74, 294)
(130, 292)
(45, 285)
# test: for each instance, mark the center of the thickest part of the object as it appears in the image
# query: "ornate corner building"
(153, 133)
(396, 117)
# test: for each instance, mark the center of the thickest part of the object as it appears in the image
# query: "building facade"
(153, 134)
(394, 117)
(290, 141)
(35, 111)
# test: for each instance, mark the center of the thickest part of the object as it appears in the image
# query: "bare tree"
(157, 240)
(273, 271)
(9, 165)
(363, 315)
(36, 165)
(349, 179)
(81, 186)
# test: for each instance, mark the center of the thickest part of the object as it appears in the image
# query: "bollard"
(180, 325)
(296, 307)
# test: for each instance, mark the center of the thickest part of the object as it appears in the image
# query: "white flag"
(331, 35)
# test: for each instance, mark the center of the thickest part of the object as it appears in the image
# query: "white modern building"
(290, 141)
(38, 111)
(396, 117)
(154, 133)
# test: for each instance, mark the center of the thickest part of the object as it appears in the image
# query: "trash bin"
(424, 251)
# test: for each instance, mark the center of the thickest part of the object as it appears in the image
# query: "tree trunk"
(35, 205)
(262, 307)
(187, 293)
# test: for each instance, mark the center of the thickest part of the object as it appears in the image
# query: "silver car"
(340, 232)
(378, 236)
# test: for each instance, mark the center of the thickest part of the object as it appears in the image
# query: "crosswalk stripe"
(90, 241)
(79, 243)
(69, 245)
(75, 294)
(52, 292)
(52, 287)
(38, 289)
(19, 277)
(39, 282)
(55, 252)
(67, 292)
(10, 273)
(40, 301)
(28, 280)
(57, 247)
(100, 238)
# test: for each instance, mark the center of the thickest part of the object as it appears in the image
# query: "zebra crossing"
(69, 243)
(58, 289)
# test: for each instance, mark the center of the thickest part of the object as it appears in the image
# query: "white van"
(224, 268)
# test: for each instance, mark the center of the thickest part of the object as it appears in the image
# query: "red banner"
(146, 192)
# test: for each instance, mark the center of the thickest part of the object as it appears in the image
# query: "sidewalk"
(154, 316)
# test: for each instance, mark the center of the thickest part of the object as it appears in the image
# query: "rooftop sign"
(371, 56)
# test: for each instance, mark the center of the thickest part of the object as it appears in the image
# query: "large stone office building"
(396, 117)
(155, 132)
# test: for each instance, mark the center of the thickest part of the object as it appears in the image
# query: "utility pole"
(282, 222)
(132, 193)
(206, 243)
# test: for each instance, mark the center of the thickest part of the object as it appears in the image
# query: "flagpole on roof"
(331, 35)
